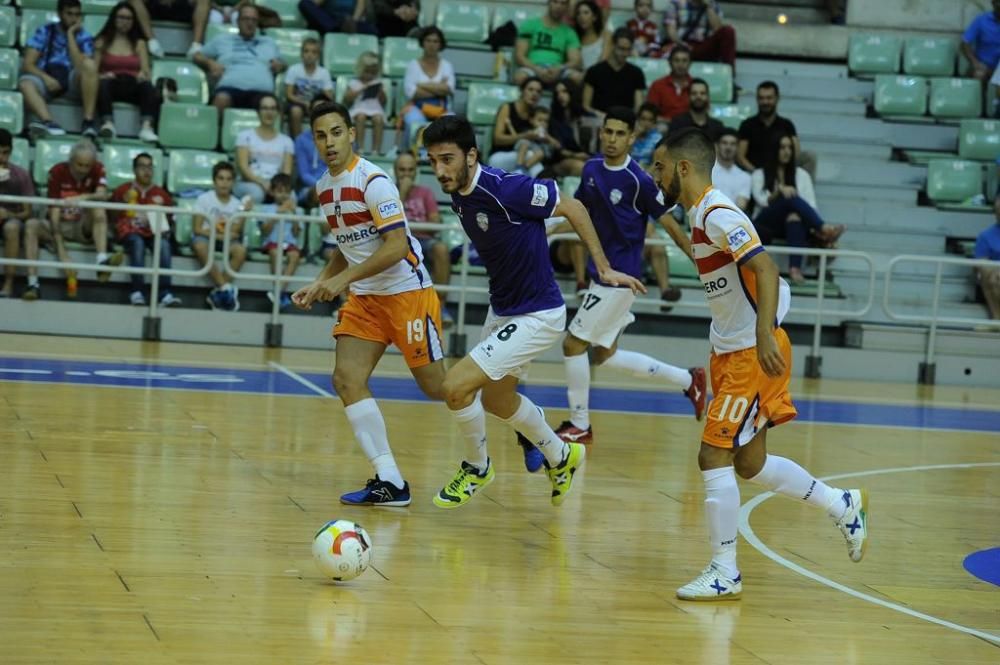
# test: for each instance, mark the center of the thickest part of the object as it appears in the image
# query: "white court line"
(300, 379)
(752, 538)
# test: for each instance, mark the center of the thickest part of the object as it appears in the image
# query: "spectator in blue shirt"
(244, 65)
(308, 164)
(988, 247)
(59, 60)
(981, 43)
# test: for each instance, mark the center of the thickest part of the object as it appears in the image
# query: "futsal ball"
(342, 550)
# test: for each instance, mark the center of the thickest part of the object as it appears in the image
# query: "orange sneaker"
(71, 288)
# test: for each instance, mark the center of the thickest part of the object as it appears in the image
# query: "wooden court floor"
(166, 526)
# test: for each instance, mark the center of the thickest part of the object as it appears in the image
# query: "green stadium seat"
(22, 154)
(341, 51)
(731, 115)
(8, 26)
(184, 226)
(516, 13)
(189, 126)
(719, 77)
(215, 29)
(466, 22)
(235, 121)
(10, 66)
(453, 235)
(485, 99)
(102, 7)
(93, 23)
(979, 140)
(873, 54)
(953, 180)
(11, 111)
(956, 98)
(32, 19)
(289, 42)
(340, 86)
(48, 153)
(900, 95)
(49, 5)
(192, 85)
(929, 56)
(652, 68)
(191, 169)
(680, 265)
(288, 10)
(397, 52)
(117, 159)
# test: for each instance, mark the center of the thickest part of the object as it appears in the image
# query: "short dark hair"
(525, 82)
(622, 33)
(769, 84)
(6, 139)
(693, 145)
(451, 129)
(66, 4)
(326, 108)
(223, 166)
(647, 107)
(311, 41)
(281, 180)
(432, 30)
(620, 113)
(727, 131)
(680, 48)
(267, 95)
(702, 82)
(135, 160)
(541, 108)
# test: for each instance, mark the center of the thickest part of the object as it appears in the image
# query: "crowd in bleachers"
(251, 70)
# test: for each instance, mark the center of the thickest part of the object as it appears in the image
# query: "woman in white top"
(262, 152)
(786, 204)
(594, 41)
(429, 83)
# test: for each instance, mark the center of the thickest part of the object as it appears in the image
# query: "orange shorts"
(411, 320)
(744, 398)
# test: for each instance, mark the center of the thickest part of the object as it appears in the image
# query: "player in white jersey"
(750, 365)
(392, 300)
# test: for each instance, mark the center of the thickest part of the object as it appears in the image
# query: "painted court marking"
(295, 376)
(759, 545)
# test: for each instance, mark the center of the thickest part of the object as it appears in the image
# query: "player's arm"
(393, 249)
(334, 266)
(766, 272)
(579, 219)
(675, 231)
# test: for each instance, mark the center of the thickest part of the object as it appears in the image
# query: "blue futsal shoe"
(533, 457)
(378, 492)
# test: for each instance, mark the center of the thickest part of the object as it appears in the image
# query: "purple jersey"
(620, 200)
(504, 217)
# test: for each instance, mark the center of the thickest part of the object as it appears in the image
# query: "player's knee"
(747, 467)
(600, 355)
(346, 385)
(713, 457)
(573, 346)
(455, 395)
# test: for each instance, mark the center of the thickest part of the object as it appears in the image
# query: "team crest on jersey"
(483, 221)
(737, 238)
(336, 208)
(615, 196)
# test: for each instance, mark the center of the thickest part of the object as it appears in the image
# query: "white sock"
(369, 429)
(528, 420)
(640, 365)
(102, 256)
(578, 389)
(784, 476)
(472, 423)
(722, 509)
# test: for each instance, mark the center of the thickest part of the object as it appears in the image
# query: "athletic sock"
(369, 430)
(528, 420)
(641, 365)
(785, 477)
(722, 508)
(472, 424)
(578, 389)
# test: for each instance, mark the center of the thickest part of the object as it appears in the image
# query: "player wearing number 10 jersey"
(750, 365)
(391, 297)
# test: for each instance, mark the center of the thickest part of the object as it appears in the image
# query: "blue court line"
(154, 376)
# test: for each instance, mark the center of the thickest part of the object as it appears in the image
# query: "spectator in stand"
(366, 96)
(727, 176)
(514, 122)
(759, 133)
(14, 181)
(135, 228)
(786, 204)
(215, 208)
(614, 81)
(348, 16)
(59, 60)
(547, 48)
(566, 127)
(670, 94)
(981, 43)
(262, 152)
(540, 147)
(304, 82)
(244, 65)
(988, 247)
(646, 135)
(421, 208)
(429, 84)
(80, 178)
(123, 65)
(309, 166)
(275, 242)
(698, 111)
(191, 12)
(644, 30)
(698, 25)
(594, 41)
(396, 18)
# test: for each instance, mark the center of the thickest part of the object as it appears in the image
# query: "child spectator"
(365, 95)
(646, 135)
(304, 82)
(281, 190)
(644, 30)
(531, 152)
(216, 207)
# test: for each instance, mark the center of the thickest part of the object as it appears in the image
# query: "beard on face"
(673, 192)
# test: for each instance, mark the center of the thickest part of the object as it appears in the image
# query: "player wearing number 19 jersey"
(750, 365)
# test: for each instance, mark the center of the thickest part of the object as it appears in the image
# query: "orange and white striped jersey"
(723, 239)
(359, 204)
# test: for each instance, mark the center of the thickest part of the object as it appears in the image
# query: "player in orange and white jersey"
(391, 301)
(750, 365)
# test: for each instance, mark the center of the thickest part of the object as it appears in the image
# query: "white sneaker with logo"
(854, 523)
(712, 585)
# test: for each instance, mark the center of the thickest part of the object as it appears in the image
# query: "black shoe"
(33, 292)
(89, 129)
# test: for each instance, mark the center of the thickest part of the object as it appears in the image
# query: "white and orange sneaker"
(570, 433)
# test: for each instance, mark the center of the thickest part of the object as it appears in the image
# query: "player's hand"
(324, 291)
(615, 278)
(768, 355)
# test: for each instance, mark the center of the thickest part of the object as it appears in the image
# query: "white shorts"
(508, 344)
(604, 313)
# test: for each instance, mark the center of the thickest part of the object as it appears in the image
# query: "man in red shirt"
(135, 228)
(670, 93)
(14, 181)
(80, 178)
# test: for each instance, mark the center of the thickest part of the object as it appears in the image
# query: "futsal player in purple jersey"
(503, 215)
